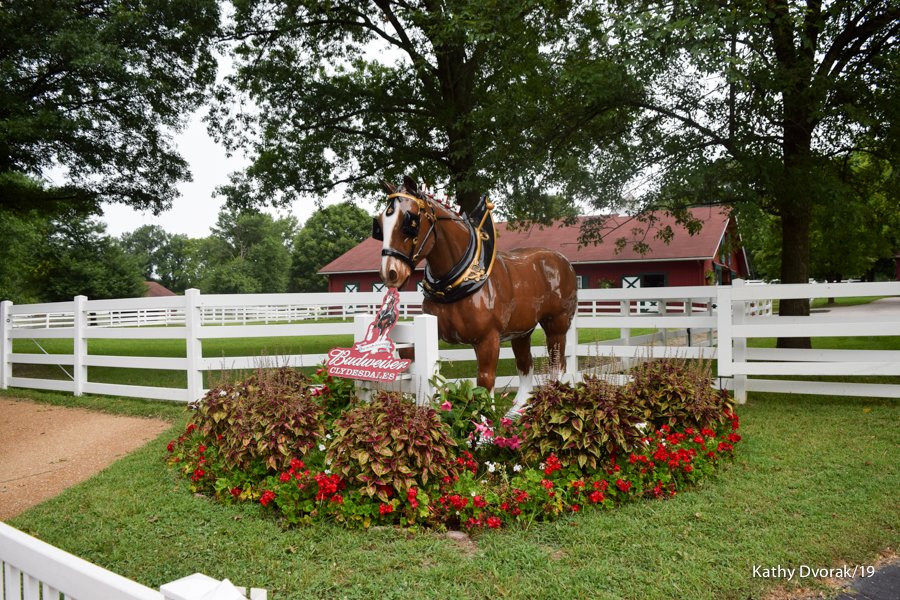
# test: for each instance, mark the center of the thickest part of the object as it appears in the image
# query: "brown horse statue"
(480, 296)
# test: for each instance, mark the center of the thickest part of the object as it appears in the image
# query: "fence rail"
(692, 321)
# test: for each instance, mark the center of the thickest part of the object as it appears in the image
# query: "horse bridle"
(410, 228)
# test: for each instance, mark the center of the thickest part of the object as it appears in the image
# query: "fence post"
(740, 346)
(425, 344)
(364, 390)
(571, 349)
(723, 321)
(193, 345)
(5, 343)
(79, 345)
(625, 333)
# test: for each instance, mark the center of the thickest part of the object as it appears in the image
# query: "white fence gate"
(692, 322)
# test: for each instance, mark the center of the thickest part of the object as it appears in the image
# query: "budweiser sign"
(372, 358)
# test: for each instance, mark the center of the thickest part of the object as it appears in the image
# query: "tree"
(80, 259)
(350, 92)
(749, 102)
(327, 234)
(248, 252)
(21, 268)
(178, 263)
(95, 87)
(146, 244)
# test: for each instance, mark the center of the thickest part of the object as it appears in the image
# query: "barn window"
(378, 286)
(582, 281)
(351, 286)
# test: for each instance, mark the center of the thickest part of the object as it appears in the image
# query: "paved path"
(883, 585)
(47, 449)
(881, 307)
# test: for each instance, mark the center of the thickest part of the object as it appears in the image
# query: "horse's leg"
(556, 328)
(487, 352)
(522, 349)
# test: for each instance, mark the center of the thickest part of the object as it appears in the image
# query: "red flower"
(623, 485)
(575, 508)
(708, 432)
(190, 428)
(479, 501)
(267, 497)
(687, 468)
(297, 464)
(235, 491)
(734, 438)
(198, 474)
(201, 448)
(458, 501)
(493, 522)
(596, 497)
(284, 477)
(552, 465)
(337, 499)
(547, 484)
(171, 447)
(384, 509)
(698, 439)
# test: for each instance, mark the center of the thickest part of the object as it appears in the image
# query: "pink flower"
(446, 405)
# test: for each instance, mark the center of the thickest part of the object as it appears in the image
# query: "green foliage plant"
(677, 392)
(583, 425)
(269, 418)
(391, 445)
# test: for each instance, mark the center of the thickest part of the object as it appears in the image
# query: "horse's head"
(399, 227)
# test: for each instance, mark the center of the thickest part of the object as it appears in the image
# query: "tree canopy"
(349, 92)
(327, 234)
(96, 87)
(746, 102)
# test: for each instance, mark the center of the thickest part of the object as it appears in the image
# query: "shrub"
(582, 425)
(463, 407)
(270, 417)
(391, 445)
(677, 392)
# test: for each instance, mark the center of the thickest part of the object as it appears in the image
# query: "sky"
(195, 211)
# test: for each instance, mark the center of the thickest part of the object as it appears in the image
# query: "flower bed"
(306, 450)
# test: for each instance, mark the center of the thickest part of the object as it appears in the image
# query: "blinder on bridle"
(409, 228)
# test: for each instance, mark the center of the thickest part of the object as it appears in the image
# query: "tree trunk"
(796, 216)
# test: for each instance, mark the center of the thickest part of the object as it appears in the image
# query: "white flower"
(473, 494)
(222, 394)
(322, 447)
(641, 426)
(327, 436)
(541, 466)
(491, 467)
(517, 468)
(328, 471)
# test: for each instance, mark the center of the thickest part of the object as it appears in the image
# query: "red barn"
(714, 255)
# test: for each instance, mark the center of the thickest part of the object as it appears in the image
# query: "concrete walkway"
(887, 307)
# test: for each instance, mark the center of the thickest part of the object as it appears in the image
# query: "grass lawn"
(814, 482)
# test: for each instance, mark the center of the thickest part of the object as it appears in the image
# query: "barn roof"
(366, 256)
(154, 290)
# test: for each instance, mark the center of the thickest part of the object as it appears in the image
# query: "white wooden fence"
(685, 319)
(32, 569)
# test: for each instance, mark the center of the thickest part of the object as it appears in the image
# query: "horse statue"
(479, 295)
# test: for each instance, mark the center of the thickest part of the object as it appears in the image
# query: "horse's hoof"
(514, 414)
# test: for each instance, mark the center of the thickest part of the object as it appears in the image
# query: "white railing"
(32, 569)
(683, 321)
